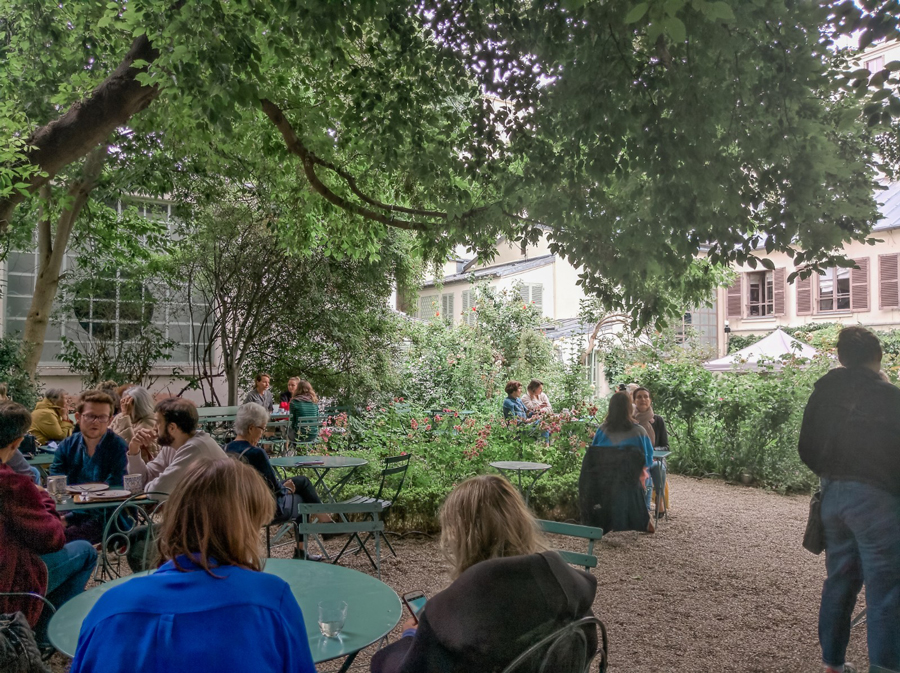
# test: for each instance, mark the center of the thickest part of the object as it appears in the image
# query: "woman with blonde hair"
(508, 591)
(137, 414)
(209, 582)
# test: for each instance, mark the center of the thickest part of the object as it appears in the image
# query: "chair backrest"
(591, 533)
(393, 466)
(563, 651)
(29, 594)
(118, 534)
(204, 412)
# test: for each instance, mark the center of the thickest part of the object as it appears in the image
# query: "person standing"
(261, 394)
(850, 438)
(50, 418)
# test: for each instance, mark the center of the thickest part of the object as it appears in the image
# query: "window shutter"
(888, 281)
(735, 303)
(525, 293)
(466, 305)
(778, 291)
(804, 296)
(859, 285)
(537, 296)
(447, 307)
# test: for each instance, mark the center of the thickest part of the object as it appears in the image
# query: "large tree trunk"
(87, 123)
(51, 251)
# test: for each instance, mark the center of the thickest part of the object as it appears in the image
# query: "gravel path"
(724, 585)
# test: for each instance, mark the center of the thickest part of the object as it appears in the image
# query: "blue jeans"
(35, 475)
(68, 571)
(862, 544)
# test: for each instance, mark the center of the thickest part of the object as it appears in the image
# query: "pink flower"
(428, 427)
(414, 424)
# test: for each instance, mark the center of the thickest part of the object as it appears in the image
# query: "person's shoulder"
(20, 484)
(114, 441)
(66, 444)
(639, 431)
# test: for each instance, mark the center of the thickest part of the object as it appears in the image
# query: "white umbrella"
(774, 347)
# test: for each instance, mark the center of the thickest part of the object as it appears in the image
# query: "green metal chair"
(590, 533)
(373, 525)
(395, 469)
(130, 533)
(564, 651)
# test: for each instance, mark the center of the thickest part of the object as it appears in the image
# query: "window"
(107, 307)
(699, 325)
(469, 313)
(760, 293)
(874, 65)
(532, 293)
(428, 306)
(834, 290)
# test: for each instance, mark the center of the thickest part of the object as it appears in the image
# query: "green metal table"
(536, 471)
(321, 466)
(373, 608)
(41, 461)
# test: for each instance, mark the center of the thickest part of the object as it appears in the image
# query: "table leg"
(348, 662)
(533, 482)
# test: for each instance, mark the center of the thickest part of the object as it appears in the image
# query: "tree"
(631, 133)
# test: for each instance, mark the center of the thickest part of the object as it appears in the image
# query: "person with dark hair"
(631, 447)
(850, 437)
(34, 556)
(304, 404)
(512, 405)
(261, 394)
(535, 399)
(181, 444)
(286, 396)
(655, 427)
(94, 454)
(508, 589)
(209, 606)
(50, 419)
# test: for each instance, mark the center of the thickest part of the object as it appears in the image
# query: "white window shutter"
(525, 293)
(447, 307)
(537, 296)
(467, 307)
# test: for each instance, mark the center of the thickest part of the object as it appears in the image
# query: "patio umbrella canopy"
(773, 347)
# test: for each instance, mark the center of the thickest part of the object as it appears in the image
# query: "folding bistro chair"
(130, 533)
(395, 469)
(374, 525)
(564, 650)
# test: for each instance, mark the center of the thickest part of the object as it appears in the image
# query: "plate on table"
(90, 487)
(111, 494)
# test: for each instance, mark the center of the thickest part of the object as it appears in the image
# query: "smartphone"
(415, 601)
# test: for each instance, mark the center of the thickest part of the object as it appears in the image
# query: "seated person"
(95, 454)
(34, 556)
(508, 591)
(513, 406)
(655, 427)
(535, 399)
(50, 419)
(288, 395)
(137, 414)
(619, 433)
(261, 394)
(19, 464)
(181, 444)
(305, 404)
(209, 606)
(250, 425)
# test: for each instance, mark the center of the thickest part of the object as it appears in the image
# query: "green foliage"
(105, 357)
(467, 367)
(21, 387)
(449, 446)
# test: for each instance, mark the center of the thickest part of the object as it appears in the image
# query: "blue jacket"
(108, 463)
(514, 407)
(636, 437)
(170, 621)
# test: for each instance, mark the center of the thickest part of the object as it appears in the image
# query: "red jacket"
(29, 528)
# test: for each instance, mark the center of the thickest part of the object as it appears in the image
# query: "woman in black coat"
(508, 592)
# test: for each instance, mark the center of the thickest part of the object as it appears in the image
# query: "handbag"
(814, 536)
(18, 649)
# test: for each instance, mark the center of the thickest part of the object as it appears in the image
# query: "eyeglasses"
(260, 427)
(91, 418)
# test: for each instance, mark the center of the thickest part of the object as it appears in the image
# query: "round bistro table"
(373, 608)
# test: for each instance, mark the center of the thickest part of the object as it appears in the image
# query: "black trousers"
(287, 502)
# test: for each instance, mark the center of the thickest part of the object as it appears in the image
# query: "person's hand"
(142, 439)
(126, 404)
(410, 624)
(290, 485)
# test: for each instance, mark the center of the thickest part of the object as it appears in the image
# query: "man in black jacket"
(851, 439)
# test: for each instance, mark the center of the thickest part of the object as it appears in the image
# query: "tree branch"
(87, 123)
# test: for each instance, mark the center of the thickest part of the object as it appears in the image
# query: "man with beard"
(181, 445)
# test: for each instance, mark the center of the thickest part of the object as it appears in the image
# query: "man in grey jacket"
(181, 445)
(261, 394)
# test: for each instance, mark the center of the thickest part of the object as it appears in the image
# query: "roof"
(498, 271)
(889, 205)
(773, 347)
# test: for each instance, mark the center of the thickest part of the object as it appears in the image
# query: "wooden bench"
(591, 534)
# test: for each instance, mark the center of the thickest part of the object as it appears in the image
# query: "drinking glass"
(331, 617)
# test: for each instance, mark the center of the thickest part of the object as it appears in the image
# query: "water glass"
(332, 615)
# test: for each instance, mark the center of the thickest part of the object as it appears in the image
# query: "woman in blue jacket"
(208, 607)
